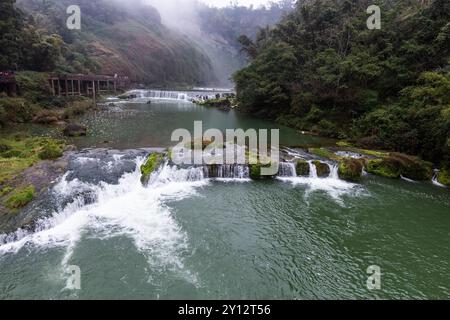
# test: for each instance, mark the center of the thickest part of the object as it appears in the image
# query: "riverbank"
(28, 166)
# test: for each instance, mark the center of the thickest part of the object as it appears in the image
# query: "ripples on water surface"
(186, 236)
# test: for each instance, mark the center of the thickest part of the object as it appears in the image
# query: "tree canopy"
(383, 88)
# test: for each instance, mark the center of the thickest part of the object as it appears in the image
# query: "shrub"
(50, 152)
(77, 108)
(16, 110)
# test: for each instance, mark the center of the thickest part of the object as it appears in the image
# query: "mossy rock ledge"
(396, 165)
(255, 171)
(153, 162)
(444, 177)
(323, 170)
(351, 169)
(303, 168)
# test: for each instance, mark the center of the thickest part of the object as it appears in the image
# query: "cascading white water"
(126, 208)
(287, 169)
(312, 170)
(159, 95)
(170, 173)
(435, 180)
(332, 185)
(334, 171)
(233, 172)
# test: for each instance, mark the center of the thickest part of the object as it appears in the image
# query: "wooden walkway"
(86, 85)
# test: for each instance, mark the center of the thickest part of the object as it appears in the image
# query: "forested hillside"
(322, 69)
(116, 37)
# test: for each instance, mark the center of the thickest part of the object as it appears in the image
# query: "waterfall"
(233, 172)
(312, 170)
(166, 95)
(227, 171)
(287, 169)
(334, 171)
(159, 95)
(435, 180)
(170, 173)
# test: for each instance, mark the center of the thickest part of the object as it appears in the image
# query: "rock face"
(75, 130)
(302, 168)
(397, 164)
(323, 170)
(154, 161)
(351, 169)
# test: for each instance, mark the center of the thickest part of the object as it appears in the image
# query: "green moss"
(350, 169)
(50, 151)
(22, 153)
(323, 170)
(413, 167)
(21, 197)
(5, 190)
(444, 177)
(384, 168)
(373, 153)
(256, 173)
(324, 153)
(302, 168)
(344, 144)
(152, 163)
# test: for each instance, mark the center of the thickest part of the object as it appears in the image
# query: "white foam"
(127, 208)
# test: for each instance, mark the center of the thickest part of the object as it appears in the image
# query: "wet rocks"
(323, 169)
(302, 168)
(153, 162)
(350, 169)
(396, 165)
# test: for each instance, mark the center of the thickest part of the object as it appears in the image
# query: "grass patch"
(21, 197)
(22, 152)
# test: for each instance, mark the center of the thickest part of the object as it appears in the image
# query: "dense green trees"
(384, 88)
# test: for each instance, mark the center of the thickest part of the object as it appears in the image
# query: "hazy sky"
(222, 3)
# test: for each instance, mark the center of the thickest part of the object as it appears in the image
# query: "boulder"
(153, 162)
(350, 169)
(302, 168)
(384, 167)
(255, 171)
(323, 170)
(397, 164)
(412, 167)
(75, 130)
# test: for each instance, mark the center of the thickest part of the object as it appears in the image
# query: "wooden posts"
(65, 84)
(93, 90)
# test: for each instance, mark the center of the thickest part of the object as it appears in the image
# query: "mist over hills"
(164, 44)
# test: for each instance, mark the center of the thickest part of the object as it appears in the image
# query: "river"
(189, 237)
